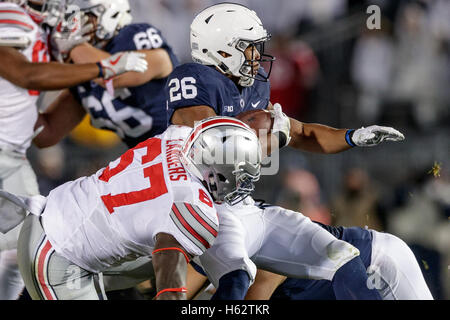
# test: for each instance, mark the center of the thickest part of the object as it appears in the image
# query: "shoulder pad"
(14, 17)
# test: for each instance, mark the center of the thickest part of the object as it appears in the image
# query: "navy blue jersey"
(194, 84)
(305, 289)
(136, 113)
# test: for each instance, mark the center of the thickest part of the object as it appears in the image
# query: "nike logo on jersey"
(255, 105)
(114, 62)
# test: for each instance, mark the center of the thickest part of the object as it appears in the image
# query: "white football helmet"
(225, 154)
(112, 15)
(221, 33)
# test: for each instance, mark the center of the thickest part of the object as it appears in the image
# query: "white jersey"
(114, 215)
(18, 111)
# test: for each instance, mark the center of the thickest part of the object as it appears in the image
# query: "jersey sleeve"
(14, 22)
(141, 36)
(194, 226)
(188, 86)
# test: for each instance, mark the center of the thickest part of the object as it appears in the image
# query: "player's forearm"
(85, 53)
(170, 270)
(46, 138)
(189, 115)
(56, 76)
(61, 117)
(170, 265)
(317, 138)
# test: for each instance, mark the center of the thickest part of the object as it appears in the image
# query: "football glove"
(374, 135)
(122, 62)
(281, 125)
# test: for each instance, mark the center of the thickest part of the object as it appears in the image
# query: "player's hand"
(122, 62)
(70, 32)
(374, 135)
(281, 125)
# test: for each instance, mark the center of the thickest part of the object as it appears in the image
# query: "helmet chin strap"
(246, 81)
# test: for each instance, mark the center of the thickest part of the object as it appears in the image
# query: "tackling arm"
(15, 68)
(63, 115)
(170, 268)
(159, 64)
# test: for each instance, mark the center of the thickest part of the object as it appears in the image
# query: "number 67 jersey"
(114, 215)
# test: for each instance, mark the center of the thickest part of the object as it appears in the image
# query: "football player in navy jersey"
(227, 78)
(133, 106)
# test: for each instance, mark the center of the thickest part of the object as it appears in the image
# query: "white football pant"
(16, 176)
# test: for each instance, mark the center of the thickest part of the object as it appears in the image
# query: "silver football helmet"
(225, 154)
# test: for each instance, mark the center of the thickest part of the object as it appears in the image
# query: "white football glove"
(122, 62)
(374, 135)
(281, 125)
(72, 31)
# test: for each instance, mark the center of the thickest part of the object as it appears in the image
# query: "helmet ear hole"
(224, 54)
(221, 177)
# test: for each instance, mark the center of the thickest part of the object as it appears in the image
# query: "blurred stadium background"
(333, 70)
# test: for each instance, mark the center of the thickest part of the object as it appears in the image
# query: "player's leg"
(11, 282)
(16, 176)
(394, 270)
(296, 247)
(46, 274)
(128, 274)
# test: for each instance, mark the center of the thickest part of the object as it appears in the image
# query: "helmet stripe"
(210, 124)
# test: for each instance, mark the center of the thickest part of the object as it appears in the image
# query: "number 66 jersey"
(134, 113)
(114, 215)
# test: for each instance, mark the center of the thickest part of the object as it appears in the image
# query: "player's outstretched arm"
(158, 60)
(170, 264)
(320, 138)
(61, 117)
(15, 68)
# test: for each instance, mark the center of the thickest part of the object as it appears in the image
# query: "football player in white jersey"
(25, 68)
(391, 265)
(227, 79)
(133, 106)
(149, 202)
